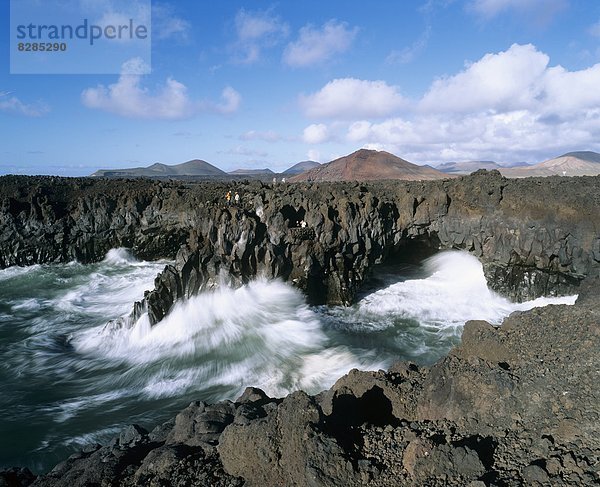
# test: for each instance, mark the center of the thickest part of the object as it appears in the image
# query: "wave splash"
(64, 368)
(262, 334)
(454, 292)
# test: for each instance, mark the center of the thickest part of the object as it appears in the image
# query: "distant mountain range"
(364, 165)
(582, 163)
(195, 167)
(301, 167)
(467, 167)
(367, 164)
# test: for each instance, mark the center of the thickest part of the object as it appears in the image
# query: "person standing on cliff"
(228, 198)
(236, 198)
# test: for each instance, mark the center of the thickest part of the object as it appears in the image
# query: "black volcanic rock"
(534, 237)
(514, 405)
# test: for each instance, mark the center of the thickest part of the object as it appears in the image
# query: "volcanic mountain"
(364, 165)
(582, 163)
(195, 167)
(301, 167)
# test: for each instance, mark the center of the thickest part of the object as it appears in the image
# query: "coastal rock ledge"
(534, 237)
(513, 405)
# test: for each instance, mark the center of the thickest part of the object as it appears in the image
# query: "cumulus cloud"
(508, 106)
(348, 98)
(519, 78)
(255, 32)
(12, 104)
(316, 134)
(316, 46)
(507, 80)
(542, 11)
(128, 98)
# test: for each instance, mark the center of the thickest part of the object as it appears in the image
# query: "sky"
(261, 84)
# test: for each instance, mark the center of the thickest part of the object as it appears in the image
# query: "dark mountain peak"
(301, 167)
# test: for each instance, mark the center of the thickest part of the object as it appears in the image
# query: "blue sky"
(259, 84)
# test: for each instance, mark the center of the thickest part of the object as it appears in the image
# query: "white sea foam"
(455, 291)
(17, 271)
(213, 345)
(27, 304)
(120, 257)
(264, 334)
(268, 318)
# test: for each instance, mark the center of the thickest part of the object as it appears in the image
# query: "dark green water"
(67, 381)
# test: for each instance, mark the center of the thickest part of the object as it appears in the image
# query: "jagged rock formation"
(515, 405)
(534, 237)
(511, 406)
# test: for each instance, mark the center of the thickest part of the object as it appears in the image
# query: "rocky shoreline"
(534, 236)
(512, 405)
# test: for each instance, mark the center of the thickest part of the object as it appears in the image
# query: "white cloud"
(256, 31)
(542, 11)
(12, 104)
(230, 104)
(316, 46)
(507, 106)
(349, 98)
(513, 136)
(408, 54)
(316, 134)
(516, 79)
(128, 98)
(507, 80)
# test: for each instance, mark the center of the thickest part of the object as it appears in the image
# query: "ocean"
(70, 377)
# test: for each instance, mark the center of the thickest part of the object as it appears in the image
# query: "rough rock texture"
(514, 405)
(534, 237)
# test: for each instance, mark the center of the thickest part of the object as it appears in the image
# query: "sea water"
(68, 379)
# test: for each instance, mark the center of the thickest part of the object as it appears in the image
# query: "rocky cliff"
(535, 236)
(515, 405)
